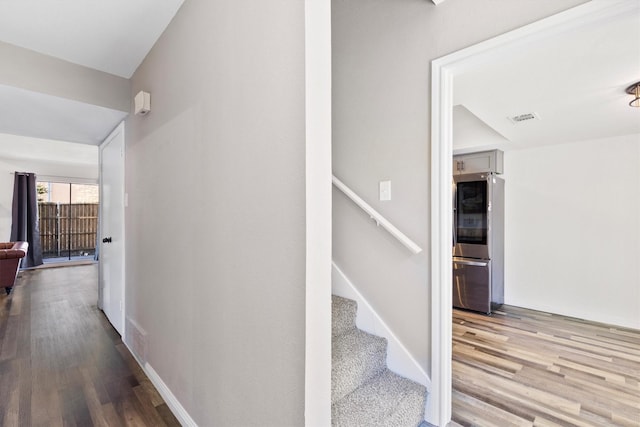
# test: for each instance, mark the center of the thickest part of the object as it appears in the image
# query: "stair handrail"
(377, 217)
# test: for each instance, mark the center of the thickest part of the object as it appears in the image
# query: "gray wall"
(382, 51)
(26, 69)
(215, 225)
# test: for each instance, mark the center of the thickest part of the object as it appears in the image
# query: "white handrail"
(377, 217)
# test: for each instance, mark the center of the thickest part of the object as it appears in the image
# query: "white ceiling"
(20, 148)
(575, 80)
(38, 115)
(113, 36)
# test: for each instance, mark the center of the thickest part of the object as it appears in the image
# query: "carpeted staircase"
(363, 391)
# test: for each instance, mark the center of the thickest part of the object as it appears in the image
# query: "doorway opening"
(443, 72)
(68, 220)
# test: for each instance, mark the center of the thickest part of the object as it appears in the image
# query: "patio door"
(68, 219)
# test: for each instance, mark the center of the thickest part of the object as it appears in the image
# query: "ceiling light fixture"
(634, 90)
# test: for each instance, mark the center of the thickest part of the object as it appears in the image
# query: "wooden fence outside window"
(68, 229)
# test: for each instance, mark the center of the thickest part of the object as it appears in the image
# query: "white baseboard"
(399, 360)
(172, 402)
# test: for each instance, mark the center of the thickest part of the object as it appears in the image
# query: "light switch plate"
(385, 190)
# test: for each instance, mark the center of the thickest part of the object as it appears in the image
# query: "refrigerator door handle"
(471, 263)
(455, 230)
(455, 234)
(455, 216)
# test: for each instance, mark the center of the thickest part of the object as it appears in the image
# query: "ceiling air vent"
(524, 117)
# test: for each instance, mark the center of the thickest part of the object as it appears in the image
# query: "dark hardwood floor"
(522, 367)
(62, 363)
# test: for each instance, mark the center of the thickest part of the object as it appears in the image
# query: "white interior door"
(112, 228)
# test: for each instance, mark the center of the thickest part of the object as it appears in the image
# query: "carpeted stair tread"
(343, 315)
(364, 393)
(387, 400)
(356, 357)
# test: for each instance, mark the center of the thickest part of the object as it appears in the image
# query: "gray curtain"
(24, 218)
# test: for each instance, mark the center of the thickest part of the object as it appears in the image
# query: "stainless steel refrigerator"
(478, 242)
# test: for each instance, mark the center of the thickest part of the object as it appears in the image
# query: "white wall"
(215, 225)
(572, 230)
(42, 157)
(382, 50)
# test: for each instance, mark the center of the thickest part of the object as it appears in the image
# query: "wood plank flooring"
(63, 364)
(522, 367)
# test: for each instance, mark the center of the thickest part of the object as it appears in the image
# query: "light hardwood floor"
(522, 367)
(61, 362)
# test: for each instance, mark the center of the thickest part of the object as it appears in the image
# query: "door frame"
(101, 285)
(318, 190)
(443, 71)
